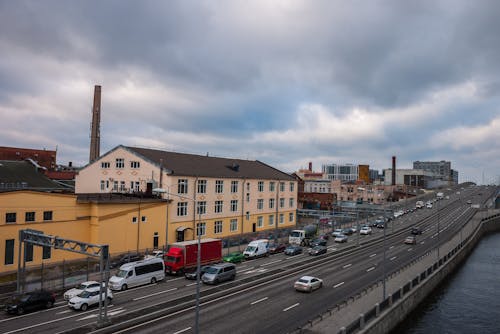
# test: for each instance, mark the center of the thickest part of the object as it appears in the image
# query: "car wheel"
(84, 307)
(153, 280)
(49, 304)
(320, 285)
(20, 310)
(124, 287)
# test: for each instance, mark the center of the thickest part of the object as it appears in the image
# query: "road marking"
(423, 242)
(182, 330)
(154, 294)
(258, 301)
(191, 284)
(337, 285)
(347, 265)
(370, 269)
(290, 307)
(241, 267)
(393, 258)
(410, 249)
(174, 279)
(266, 264)
(248, 269)
(391, 247)
(87, 317)
(373, 255)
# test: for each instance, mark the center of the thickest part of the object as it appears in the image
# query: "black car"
(347, 231)
(416, 230)
(30, 301)
(293, 250)
(192, 274)
(318, 242)
(317, 250)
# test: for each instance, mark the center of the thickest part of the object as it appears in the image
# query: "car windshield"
(295, 234)
(303, 280)
(251, 248)
(172, 259)
(122, 273)
(84, 294)
(82, 286)
(212, 270)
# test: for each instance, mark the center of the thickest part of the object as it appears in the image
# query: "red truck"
(182, 256)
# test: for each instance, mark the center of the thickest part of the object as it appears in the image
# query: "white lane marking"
(391, 247)
(393, 258)
(266, 264)
(370, 269)
(115, 311)
(373, 255)
(410, 249)
(154, 294)
(182, 330)
(67, 311)
(87, 317)
(247, 269)
(290, 307)
(241, 267)
(347, 265)
(174, 279)
(423, 242)
(191, 284)
(337, 285)
(258, 301)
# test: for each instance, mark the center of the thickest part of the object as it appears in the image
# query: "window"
(260, 221)
(103, 185)
(10, 217)
(201, 229)
(202, 186)
(9, 251)
(248, 215)
(219, 186)
(28, 256)
(122, 185)
(29, 217)
(248, 197)
(234, 186)
(282, 186)
(47, 215)
(115, 185)
(201, 207)
(233, 226)
(143, 219)
(290, 217)
(134, 186)
(135, 164)
(234, 205)
(248, 186)
(271, 186)
(282, 202)
(120, 163)
(260, 186)
(292, 186)
(46, 252)
(271, 220)
(282, 218)
(260, 204)
(218, 227)
(182, 186)
(182, 209)
(291, 202)
(134, 220)
(156, 238)
(271, 203)
(105, 164)
(218, 206)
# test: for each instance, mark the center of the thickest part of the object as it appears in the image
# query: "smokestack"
(310, 166)
(393, 170)
(95, 135)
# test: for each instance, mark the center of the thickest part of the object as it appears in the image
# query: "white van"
(257, 248)
(138, 273)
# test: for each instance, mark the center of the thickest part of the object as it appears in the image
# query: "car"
(380, 224)
(276, 248)
(416, 230)
(234, 257)
(218, 273)
(131, 257)
(398, 213)
(88, 298)
(79, 289)
(411, 240)
(155, 253)
(293, 250)
(308, 284)
(191, 275)
(317, 250)
(365, 230)
(30, 301)
(336, 232)
(469, 201)
(354, 229)
(341, 238)
(318, 242)
(373, 223)
(347, 231)
(324, 236)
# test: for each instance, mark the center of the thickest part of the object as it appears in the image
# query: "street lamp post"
(383, 263)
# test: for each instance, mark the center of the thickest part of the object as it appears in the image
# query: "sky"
(282, 82)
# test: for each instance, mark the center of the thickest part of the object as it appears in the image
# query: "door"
(254, 227)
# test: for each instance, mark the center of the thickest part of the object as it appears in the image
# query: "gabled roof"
(183, 164)
(16, 175)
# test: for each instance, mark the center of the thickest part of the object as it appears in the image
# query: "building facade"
(346, 172)
(442, 169)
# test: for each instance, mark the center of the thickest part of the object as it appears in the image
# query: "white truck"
(303, 237)
(257, 248)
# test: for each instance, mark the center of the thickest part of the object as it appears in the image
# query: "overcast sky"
(284, 82)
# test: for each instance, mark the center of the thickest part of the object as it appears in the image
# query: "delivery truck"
(303, 237)
(182, 256)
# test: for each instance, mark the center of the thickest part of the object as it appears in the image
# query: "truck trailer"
(182, 256)
(303, 237)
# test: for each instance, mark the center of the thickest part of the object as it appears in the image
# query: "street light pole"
(198, 260)
(383, 263)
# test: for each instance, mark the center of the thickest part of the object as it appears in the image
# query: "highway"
(262, 298)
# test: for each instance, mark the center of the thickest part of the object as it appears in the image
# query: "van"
(219, 273)
(257, 248)
(138, 273)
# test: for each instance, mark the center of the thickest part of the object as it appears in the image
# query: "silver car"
(308, 283)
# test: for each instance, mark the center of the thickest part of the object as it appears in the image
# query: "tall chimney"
(393, 170)
(95, 135)
(310, 166)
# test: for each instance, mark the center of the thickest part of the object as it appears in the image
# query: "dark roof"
(16, 175)
(183, 164)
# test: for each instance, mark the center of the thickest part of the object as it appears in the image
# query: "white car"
(398, 213)
(308, 283)
(88, 298)
(365, 230)
(155, 253)
(337, 232)
(79, 289)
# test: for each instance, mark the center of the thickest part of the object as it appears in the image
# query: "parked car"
(354, 228)
(337, 232)
(347, 231)
(88, 298)
(416, 230)
(293, 250)
(308, 283)
(219, 273)
(341, 238)
(30, 301)
(411, 240)
(318, 242)
(373, 223)
(79, 289)
(276, 248)
(234, 257)
(317, 250)
(365, 230)
(131, 257)
(325, 236)
(191, 275)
